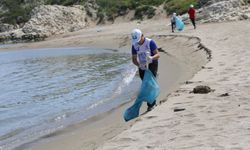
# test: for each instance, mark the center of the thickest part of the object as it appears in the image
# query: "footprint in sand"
(128, 139)
(223, 55)
(201, 106)
(224, 39)
(193, 120)
(190, 115)
(221, 64)
(150, 117)
(224, 79)
(199, 125)
(173, 124)
(187, 137)
(190, 97)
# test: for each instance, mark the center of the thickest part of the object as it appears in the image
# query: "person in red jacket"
(191, 13)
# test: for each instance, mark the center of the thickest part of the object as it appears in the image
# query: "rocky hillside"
(221, 10)
(224, 10)
(47, 20)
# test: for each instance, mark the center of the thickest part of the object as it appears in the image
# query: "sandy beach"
(218, 120)
(209, 121)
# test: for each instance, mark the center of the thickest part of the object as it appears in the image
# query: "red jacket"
(191, 13)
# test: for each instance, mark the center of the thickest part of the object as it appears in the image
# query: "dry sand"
(209, 121)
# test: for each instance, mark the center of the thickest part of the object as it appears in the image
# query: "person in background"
(191, 13)
(144, 51)
(173, 21)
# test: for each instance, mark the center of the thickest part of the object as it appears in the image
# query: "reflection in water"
(39, 93)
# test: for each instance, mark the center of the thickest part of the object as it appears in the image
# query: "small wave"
(45, 92)
(128, 76)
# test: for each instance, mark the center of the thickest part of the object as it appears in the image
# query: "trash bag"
(179, 24)
(148, 92)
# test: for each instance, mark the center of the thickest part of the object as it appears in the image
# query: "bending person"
(144, 51)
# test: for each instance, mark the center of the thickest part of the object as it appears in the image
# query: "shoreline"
(73, 136)
(221, 38)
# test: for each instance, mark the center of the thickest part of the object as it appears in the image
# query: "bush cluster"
(64, 2)
(179, 6)
(17, 13)
(19, 10)
(147, 10)
(113, 8)
(247, 1)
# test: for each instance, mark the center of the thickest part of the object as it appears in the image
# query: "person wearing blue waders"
(144, 51)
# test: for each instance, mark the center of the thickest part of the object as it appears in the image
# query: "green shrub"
(19, 11)
(113, 8)
(247, 1)
(16, 13)
(64, 2)
(101, 16)
(179, 6)
(149, 11)
(151, 2)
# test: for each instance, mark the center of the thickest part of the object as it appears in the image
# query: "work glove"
(149, 59)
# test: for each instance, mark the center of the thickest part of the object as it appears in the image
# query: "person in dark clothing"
(144, 51)
(191, 13)
(173, 22)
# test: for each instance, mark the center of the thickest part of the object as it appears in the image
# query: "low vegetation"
(18, 11)
(64, 2)
(113, 8)
(179, 6)
(247, 1)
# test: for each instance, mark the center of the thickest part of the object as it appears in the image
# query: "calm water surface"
(44, 90)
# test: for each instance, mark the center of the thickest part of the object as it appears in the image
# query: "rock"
(203, 2)
(223, 95)
(201, 89)
(91, 10)
(7, 27)
(244, 16)
(48, 20)
(222, 10)
(19, 36)
(4, 37)
(16, 35)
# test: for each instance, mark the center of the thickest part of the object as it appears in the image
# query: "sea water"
(45, 90)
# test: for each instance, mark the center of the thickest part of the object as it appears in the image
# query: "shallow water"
(44, 90)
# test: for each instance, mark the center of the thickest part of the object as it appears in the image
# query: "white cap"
(174, 14)
(191, 6)
(136, 35)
